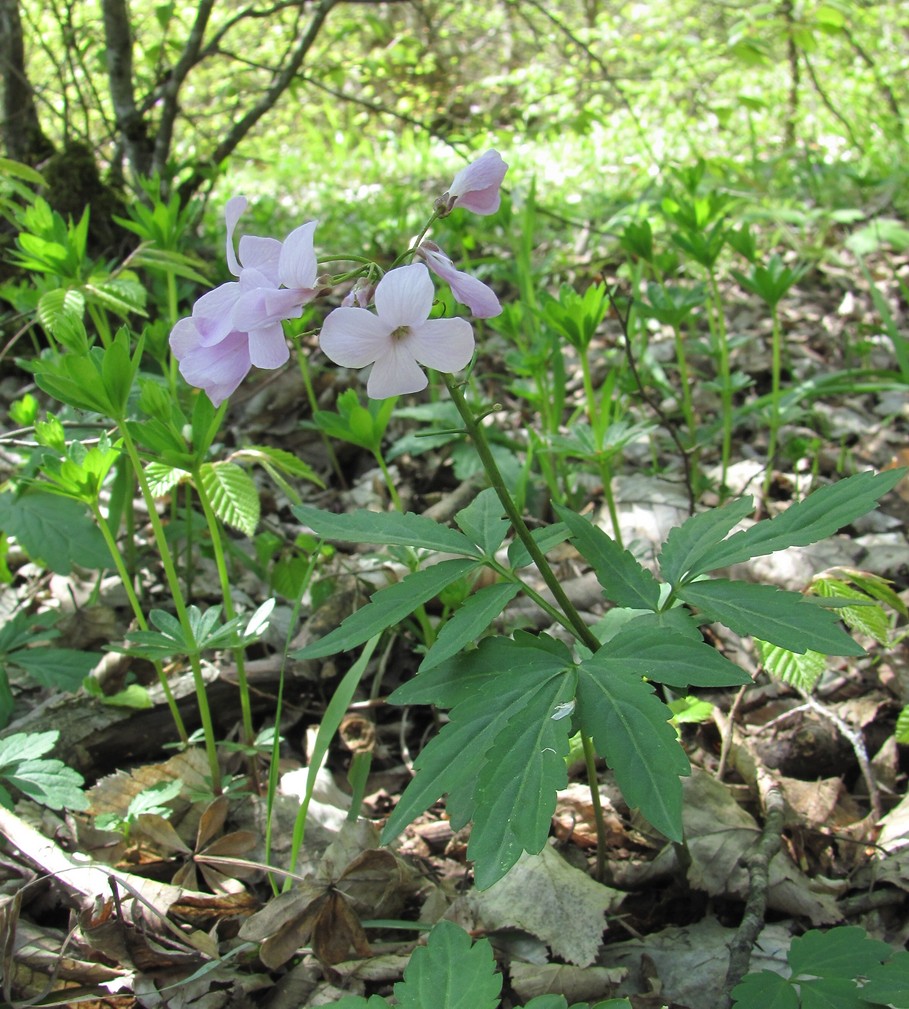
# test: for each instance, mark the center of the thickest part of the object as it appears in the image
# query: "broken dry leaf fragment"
(322, 912)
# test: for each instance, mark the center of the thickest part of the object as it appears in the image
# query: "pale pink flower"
(399, 337)
(476, 187)
(238, 325)
(473, 293)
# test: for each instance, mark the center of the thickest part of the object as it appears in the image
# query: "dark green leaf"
(689, 542)
(386, 528)
(668, 657)
(624, 581)
(819, 515)
(844, 952)
(387, 607)
(62, 668)
(54, 531)
(450, 972)
(469, 622)
(888, 983)
(545, 538)
(765, 990)
(457, 679)
(830, 993)
(630, 728)
(482, 521)
(783, 618)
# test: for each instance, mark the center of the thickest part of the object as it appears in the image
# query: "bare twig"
(857, 742)
(758, 863)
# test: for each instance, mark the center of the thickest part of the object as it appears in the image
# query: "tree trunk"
(22, 136)
(119, 50)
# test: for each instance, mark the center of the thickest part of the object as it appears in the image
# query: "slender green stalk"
(590, 758)
(139, 615)
(776, 370)
(721, 338)
(475, 430)
(389, 482)
(173, 583)
(685, 380)
(214, 531)
(303, 365)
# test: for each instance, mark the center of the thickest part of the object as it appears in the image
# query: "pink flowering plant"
(518, 702)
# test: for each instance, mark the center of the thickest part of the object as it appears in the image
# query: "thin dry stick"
(858, 746)
(727, 733)
(758, 863)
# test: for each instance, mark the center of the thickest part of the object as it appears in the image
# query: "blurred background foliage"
(600, 96)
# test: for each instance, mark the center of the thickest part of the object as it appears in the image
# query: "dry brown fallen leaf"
(322, 911)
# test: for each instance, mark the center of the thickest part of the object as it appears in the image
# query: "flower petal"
(262, 306)
(297, 266)
(184, 338)
(404, 296)
(470, 291)
(444, 344)
(232, 211)
(395, 374)
(261, 254)
(476, 187)
(267, 347)
(354, 337)
(220, 369)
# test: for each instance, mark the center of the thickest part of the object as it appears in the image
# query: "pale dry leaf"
(691, 961)
(544, 895)
(577, 984)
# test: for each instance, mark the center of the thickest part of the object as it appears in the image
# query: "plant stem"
(685, 380)
(389, 483)
(303, 365)
(590, 758)
(581, 631)
(173, 583)
(138, 614)
(475, 430)
(776, 369)
(214, 532)
(722, 344)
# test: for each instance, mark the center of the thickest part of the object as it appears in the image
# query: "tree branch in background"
(245, 123)
(169, 91)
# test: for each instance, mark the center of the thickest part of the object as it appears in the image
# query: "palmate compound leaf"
(386, 529)
(624, 581)
(630, 728)
(501, 757)
(784, 618)
(818, 516)
(388, 607)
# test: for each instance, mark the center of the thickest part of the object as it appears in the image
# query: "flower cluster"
(239, 324)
